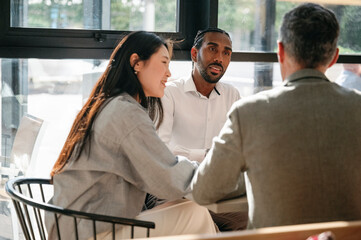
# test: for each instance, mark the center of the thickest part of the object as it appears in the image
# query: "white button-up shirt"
(191, 120)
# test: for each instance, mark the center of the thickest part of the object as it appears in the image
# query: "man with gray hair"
(299, 144)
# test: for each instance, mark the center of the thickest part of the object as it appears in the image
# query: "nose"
(168, 73)
(218, 58)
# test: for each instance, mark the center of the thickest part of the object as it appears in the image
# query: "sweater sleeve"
(154, 169)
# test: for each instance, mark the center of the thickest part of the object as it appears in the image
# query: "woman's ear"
(134, 62)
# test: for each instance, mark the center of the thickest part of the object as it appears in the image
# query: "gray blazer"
(300, 148)
(124, 160)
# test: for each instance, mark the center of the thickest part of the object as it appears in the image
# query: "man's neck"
(290, 66)
(202, 86)
(321, 69)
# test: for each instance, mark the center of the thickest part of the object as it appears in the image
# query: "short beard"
(206, 77)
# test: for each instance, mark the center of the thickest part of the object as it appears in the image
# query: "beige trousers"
(171, 218)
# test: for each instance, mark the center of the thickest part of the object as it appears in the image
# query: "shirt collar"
(306, 75)
(189, 86)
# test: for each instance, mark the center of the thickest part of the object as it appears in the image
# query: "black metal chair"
(21, 190)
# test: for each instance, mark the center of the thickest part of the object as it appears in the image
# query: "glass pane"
(244, 75)
(52, 90)
(254, 24)
(241, 75)
(55, 90)
(127, 15)
(346, 75)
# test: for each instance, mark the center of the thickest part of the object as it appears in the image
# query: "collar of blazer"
(310, 75)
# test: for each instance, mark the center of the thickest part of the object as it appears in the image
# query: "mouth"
(216, 69)
(163, 82)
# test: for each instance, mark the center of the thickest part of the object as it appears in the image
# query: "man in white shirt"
(195, 108)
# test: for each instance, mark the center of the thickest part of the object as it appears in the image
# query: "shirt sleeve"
(165, 129)
(220, 174)
(237, 95)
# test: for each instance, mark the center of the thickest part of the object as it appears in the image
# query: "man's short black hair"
(198, 40)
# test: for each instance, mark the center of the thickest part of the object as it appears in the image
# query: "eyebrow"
(216, 44)
(165, 57)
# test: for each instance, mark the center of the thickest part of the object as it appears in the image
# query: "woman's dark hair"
(119, 77)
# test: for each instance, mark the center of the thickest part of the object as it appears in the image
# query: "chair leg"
(14, 221)
(21, 219)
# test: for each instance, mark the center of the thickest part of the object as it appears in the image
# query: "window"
(125, 15)
(254, 25)
(51, 49)
(53, 90)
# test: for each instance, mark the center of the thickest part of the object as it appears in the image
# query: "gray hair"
(309, 34)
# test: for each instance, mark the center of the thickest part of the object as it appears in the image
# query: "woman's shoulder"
(123, 112)
(125, 106)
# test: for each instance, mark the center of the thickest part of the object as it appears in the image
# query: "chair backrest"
(25, 139)
(30, 203)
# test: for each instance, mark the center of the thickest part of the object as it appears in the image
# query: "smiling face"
(154, 72)
(213, 57)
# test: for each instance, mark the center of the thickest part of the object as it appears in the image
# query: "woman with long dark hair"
(113, 157)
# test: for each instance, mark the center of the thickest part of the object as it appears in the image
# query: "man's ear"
(134, 62)
(281, 52)
(194, 52)
(334, 60)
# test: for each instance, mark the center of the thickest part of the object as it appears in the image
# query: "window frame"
(16, 42)
(98, 44)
